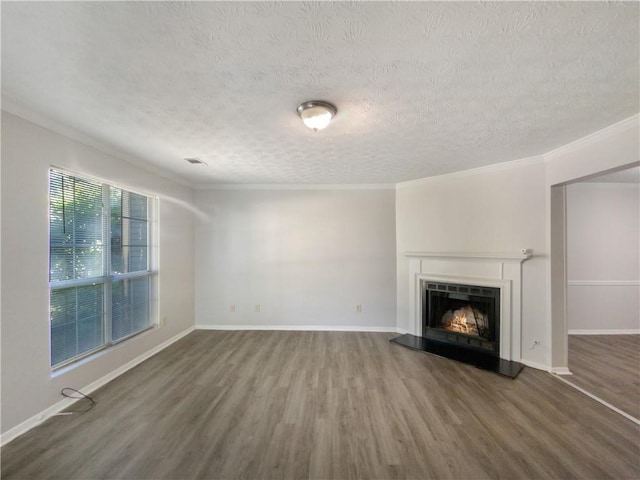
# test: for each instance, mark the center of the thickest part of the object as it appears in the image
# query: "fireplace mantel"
(500, 270)
(502, 257)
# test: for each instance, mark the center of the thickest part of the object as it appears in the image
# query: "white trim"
(605, 185)
(611, 130)
(538, 159)
(560, 371)
(622, 331)
(505, 257)
(37, 419)
(295, 186)
(319, 328)
(603, 283)
(599, 400)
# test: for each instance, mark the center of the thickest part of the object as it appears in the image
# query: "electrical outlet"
(257, 308)
(358, 308)
(232, 308)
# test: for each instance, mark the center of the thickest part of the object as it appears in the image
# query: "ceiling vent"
(195, 161)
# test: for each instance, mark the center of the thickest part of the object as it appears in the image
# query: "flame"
(461, 323)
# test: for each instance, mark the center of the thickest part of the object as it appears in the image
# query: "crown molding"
(595, 137)
(496, 167)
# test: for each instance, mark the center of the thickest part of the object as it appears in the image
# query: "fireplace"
(489, 282)
(465, 315)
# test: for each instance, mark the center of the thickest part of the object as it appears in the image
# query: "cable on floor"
(74, 394)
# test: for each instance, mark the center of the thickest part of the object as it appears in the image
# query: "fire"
(463, 320)
(459, 322)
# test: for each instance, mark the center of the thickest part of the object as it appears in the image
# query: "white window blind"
(100, 274)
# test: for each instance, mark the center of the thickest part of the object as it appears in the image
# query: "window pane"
(136, 205)
(76, 321)
(137, 259)
(136, 232)
(61, 263)
(129, 232)
(117, 260)
(75, 228)
(129, 307)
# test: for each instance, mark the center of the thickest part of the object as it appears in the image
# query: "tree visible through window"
(99, 267)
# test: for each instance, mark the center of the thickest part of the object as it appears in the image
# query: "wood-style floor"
(325, 405)
(608, 366)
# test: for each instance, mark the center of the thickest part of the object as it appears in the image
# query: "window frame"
(109, 277)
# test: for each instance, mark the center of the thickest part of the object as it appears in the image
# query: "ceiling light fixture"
(316, 114)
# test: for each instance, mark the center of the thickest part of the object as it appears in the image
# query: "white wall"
(498, 209)
(306, 256)
(603, 256)
(28, 151)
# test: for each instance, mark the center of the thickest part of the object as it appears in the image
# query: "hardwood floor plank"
(608, 366)
(325, 405)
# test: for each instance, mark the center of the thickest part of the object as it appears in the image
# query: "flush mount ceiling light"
(316, 114)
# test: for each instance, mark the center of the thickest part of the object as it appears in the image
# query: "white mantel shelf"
(500, 257)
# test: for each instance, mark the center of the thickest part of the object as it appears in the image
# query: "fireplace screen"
(464, 314)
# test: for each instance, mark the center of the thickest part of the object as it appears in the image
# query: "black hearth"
(461, 322)
(467, 316)
(474, 357)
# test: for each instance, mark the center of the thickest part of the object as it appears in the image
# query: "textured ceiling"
(422, 88)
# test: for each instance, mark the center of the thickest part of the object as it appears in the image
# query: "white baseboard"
(318, 328)
(560, 371)
(37, 419)
(622, 331)
(546, 368)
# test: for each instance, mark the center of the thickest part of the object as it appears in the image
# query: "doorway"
(596, 286)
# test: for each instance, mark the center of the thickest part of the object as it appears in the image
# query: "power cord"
(65, 393)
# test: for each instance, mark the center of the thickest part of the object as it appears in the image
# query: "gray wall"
(28, 150)
(603, 257)
(307, 256)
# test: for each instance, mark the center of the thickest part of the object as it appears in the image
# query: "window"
(100, 276)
